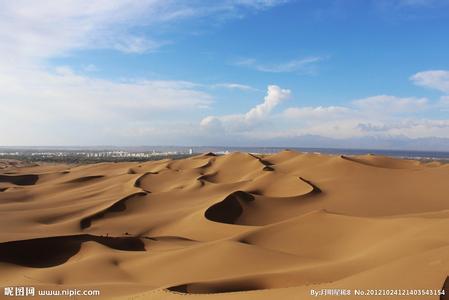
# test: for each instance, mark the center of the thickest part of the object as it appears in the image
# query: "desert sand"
(237, 226)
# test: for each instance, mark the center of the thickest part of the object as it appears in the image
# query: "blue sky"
(232, 72)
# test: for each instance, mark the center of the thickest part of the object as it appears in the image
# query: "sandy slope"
(227, 227)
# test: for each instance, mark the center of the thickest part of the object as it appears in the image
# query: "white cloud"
(257, 114)
(274, 96)
(296, 65)
(42, 29)
(434, 79)
(65, 89)
(378, 107)
(212, 123)
(234, 86)
(136, 44)
(390, 104)
(37, 103)
(319, 112)
(419, 128)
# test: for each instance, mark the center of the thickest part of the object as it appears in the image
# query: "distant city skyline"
(300, 73)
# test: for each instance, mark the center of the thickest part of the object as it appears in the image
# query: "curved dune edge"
(138, 182)
(230, 209)
(259, 284)
(240, 203)
(118, 206)
(85, 179)
(190, 163)
(382, 161)
(217, 287)
(445, 288)
(23, 180)
(53, 251)
(272, 184)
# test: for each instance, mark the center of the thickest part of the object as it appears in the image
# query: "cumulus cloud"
(274, 96)
(434, 79)
(212, 123)
(259, 113)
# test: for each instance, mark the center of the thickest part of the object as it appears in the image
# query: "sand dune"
(237, 226)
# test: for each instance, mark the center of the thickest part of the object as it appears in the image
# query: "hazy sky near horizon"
(237, 72)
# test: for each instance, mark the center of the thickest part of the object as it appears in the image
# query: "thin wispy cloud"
(261, 3)
(317, 112)
(234, 86)
(305, 65)
(47, 28)
(394, 104)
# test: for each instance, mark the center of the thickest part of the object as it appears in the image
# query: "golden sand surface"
(237, 226)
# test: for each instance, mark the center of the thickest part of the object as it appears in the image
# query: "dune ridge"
(235, 226)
